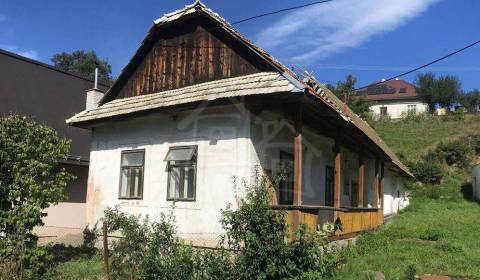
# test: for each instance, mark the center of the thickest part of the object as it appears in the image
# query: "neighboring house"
(395, 99)
(48, 95)
(476, 181)
(199, 109)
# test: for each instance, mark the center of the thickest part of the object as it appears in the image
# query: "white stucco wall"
(394, 193)
(222, 136)
(231, 145)
(398, 109)
(476, 181)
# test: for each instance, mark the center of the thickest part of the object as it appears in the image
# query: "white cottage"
(394, 99)
(199, 108)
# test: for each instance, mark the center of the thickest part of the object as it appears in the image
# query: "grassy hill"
(438, 232)
(413, 137)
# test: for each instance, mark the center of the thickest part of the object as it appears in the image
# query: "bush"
(255, 246)
(30, 181)
(427, 172)
(474, 141)
(456, 153)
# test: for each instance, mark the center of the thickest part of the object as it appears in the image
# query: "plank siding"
(196, 52)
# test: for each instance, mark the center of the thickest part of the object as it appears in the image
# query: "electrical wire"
(422, 66)
(280, 11)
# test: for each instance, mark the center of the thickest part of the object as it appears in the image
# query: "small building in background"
(49, 95)
(394, 99)
(476, 181)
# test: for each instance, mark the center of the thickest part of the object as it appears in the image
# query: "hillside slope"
(412, 138)
(438, 233)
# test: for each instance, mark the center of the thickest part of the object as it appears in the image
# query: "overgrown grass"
(437, 234)
(412, 138)
(86, 268)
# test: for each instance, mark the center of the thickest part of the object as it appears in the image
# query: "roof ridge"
(48, 66)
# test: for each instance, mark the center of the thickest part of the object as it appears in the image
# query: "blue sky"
(372, 39)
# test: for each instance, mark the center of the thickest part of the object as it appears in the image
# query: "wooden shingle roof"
(262, 83)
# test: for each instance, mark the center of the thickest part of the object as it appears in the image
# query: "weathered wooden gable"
(192, 52)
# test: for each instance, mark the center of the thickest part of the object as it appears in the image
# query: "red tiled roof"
(390, 90)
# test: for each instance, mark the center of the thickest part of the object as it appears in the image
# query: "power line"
(280, 11)
(252, 18)
(422, 66)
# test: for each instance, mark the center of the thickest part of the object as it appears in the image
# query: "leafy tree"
(359, 104)
(447, 90)
(30, 181)
(426, 88)
(443, 91)
(471, 100)
(84, 63)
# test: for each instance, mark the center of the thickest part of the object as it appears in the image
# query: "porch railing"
(352, 219)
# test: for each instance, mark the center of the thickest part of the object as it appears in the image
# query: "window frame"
(383, 111)
(142, 167)
(182, 164)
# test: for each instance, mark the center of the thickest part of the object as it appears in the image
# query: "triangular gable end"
(188, 47)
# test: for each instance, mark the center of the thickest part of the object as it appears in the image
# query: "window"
(329, 185)
(131, 174)
(383, 111)
(182, 169)
(354, 192)
(402, 90)
(286, 185)
(411, 109)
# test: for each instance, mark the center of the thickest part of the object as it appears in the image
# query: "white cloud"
(33, 54)
(3, 18)
(315, 32)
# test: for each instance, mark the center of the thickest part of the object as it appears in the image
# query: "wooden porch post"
(376, 183)
(361, 180)
(297, 158)
(338, 174)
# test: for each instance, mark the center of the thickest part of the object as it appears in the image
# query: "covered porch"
(346, 193)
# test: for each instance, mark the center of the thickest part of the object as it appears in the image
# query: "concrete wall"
(398, 109)
(394, 195)
(70, 213)
(476, 181)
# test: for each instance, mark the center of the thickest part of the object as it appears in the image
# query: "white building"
(394, 99)
(199, 109)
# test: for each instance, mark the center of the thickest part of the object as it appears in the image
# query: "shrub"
(455, 153)
(255, 246)
(30, 181)
(475, 143)
(459, 114)
(427, 172)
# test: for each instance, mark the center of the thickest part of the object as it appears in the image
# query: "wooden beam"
(361, 180)
(297, 158)
(338, 174)
(376, 183)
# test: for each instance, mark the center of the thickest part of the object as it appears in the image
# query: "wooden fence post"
(106, 269)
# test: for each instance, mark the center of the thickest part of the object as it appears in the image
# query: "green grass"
(412, 138)
(439, 232)
(85, 268)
